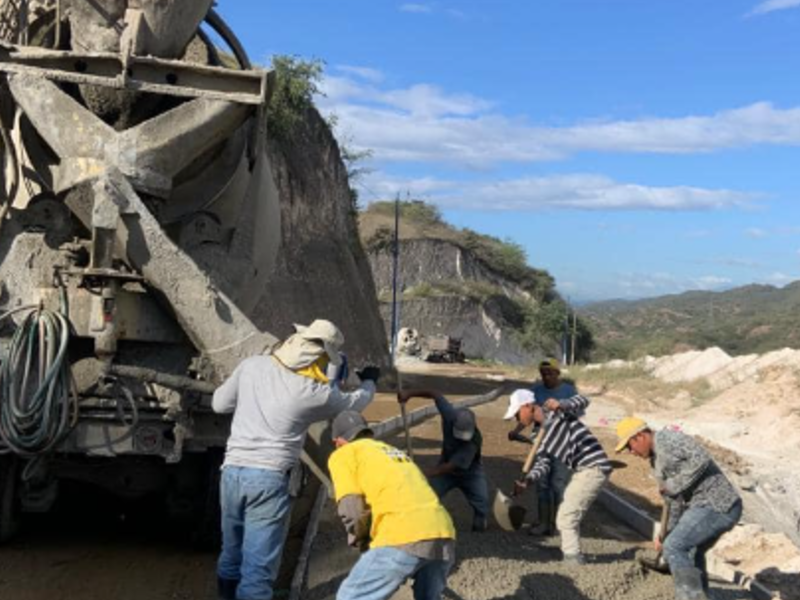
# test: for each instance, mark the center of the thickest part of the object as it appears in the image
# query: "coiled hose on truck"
(37, 408)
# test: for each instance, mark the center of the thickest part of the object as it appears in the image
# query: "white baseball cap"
(517, 400)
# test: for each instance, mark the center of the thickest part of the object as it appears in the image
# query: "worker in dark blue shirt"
(460, 461)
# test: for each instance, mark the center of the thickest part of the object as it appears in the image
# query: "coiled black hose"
(37, 410)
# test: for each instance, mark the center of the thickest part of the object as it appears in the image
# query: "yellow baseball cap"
(626, 429)
(550, 363)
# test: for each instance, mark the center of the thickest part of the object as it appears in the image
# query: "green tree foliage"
(297, 82)
(414, 211)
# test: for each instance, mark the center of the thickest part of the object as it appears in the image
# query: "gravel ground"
(95, 549)
(503, 566)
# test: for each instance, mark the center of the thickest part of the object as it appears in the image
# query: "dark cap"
(347, 425)
(464, 425)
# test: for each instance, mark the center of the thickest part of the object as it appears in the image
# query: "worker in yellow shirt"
(391, 514)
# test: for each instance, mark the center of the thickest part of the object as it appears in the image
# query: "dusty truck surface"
(138, 218)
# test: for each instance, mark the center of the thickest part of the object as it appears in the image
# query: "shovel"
(508, 514)
(659, 565)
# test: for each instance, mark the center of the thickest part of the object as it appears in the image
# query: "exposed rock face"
(434, 261)
(321, 270)
(485, 326)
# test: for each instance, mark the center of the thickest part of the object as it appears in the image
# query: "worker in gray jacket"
(274, 399)
(702, 503)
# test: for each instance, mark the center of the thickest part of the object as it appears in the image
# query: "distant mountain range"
(745, 320)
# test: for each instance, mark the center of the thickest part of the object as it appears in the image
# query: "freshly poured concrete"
(496, 565)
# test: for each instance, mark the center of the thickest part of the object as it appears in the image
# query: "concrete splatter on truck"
(139, 222)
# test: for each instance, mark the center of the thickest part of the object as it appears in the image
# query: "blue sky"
(632, 147)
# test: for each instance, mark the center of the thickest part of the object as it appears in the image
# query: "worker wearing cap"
(570, 441)
(274, 399)
(702, 503)
(550, 490)
(460, 463)
(391, 514)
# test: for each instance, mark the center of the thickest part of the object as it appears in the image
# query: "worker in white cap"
(460, 466)
(570, 441)
(550, 489)
(274, 399)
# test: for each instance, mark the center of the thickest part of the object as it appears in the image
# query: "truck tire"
(9, 512)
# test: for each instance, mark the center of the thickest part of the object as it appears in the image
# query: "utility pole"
(395, 275)
(574, 335)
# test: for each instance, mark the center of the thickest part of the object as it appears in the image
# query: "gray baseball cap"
(348, 424)
(464, 425)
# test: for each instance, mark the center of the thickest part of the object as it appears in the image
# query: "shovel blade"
(658, 564)
(509, 515)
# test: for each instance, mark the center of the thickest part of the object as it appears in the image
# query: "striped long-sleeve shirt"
(570, 441)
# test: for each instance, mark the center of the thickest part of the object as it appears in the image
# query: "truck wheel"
(8, 497)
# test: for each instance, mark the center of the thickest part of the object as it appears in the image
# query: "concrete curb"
(648, 527)
(382, 430)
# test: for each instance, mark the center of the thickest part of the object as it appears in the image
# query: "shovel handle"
(403, 414)
(532, 454)
(662, 524)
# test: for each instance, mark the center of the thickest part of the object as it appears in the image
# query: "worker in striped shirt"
(570, 441)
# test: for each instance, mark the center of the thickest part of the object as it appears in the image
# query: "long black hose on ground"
(37, 408)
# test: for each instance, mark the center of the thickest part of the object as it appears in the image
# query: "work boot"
(688, 584)
(479, 524)
(226, 588)
(546, 526)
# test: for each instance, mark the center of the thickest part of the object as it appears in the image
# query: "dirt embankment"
(747, 412)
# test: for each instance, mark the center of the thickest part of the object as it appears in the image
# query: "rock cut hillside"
(462, 284)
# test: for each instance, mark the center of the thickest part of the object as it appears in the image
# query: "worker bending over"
(570, 441)
(391, 514)
(460, 461)
(274, 400)
(549, 489)
(702, 504)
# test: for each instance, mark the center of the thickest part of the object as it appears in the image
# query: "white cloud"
(423, 122)
(585, 192)
(416, 8)
(756, 233)
(366, 73)
(769, 6)
(711, 282)
(644, 284)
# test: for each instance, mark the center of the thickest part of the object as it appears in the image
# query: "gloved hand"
(520, 485)
(369, 373)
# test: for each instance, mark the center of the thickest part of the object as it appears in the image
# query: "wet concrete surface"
(95, 548)
(497, 565)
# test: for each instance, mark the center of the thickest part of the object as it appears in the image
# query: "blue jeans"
(380, 572)
(472, 483)
(552, 487)
(255, 515)
(695, 533)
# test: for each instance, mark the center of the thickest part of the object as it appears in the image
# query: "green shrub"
(297, 82)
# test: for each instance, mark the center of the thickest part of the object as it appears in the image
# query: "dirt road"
(94, 548)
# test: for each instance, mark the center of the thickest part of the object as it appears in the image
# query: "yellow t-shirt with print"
(404, 507)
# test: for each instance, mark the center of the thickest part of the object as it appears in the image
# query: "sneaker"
(541, 530)
(574, 559)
